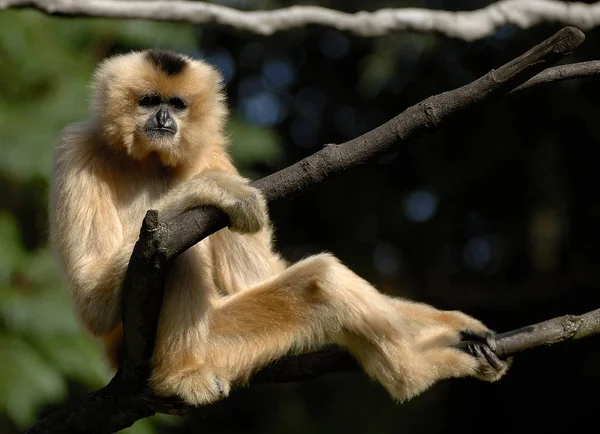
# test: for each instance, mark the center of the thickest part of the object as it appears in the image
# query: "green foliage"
(42, 347)
(26, 380)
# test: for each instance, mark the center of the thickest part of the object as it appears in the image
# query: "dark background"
(494, 214)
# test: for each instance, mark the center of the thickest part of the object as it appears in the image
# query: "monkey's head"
(158, 102)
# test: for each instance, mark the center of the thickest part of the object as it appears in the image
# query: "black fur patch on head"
(167, 61)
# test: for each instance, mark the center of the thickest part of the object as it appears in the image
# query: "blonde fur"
(231, 303)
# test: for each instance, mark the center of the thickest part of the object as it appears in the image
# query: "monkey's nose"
(163, 119)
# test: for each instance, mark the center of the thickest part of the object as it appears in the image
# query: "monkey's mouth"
(160, 131)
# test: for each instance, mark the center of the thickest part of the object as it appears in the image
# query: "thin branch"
(568, 327)
(467, 25)
(562, 72)
(127, 398)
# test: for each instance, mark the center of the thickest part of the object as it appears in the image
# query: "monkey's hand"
(482, 346)
(244, 205)
(247, 213)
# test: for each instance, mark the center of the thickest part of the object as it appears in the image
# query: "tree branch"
(114, 407)
(127, 398)
(563, 72)
(467, 25)
(568, 327)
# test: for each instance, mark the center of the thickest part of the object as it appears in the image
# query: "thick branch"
(160, 243)
(116, 406)
(467, 25)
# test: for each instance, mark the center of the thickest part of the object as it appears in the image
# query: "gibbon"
(155, 140)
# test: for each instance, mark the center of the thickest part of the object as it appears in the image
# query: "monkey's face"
(158, 103)
(159, 119)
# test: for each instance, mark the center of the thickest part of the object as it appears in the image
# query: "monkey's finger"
(492, 358)
(472, 335)
(474, 349)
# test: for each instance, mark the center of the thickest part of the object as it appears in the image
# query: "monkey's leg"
(315, 302)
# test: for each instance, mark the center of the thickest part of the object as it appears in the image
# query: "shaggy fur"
(231, 303)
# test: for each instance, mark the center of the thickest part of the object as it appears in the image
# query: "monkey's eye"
(177, 103)
(149, 101)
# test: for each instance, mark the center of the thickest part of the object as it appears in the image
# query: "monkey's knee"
(326, 269)
(321, 274)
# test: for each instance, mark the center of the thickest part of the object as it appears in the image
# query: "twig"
(467, 25)
(562, 72)
(568, 327)
(126, 398)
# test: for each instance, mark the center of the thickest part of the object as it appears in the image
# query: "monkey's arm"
(87, 235)
(96, 287)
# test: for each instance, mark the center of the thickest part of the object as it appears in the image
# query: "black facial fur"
(167, 61)
(160, 122)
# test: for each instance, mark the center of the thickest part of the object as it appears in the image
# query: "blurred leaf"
(44, 308)
(27, 381)
(76, 356)
(11, 252)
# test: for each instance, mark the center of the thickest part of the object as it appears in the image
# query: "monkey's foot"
(194, 386)
(482, 346)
